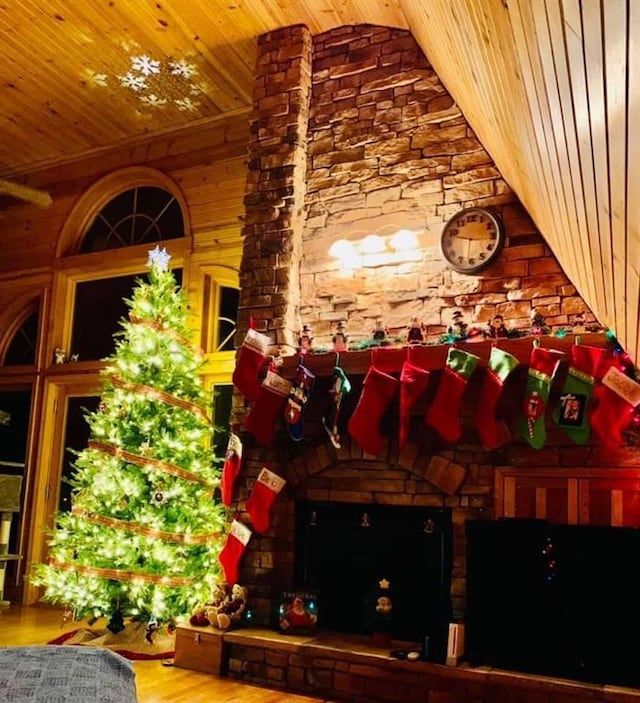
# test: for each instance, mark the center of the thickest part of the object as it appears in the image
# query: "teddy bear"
(230, 612)
(207, 614)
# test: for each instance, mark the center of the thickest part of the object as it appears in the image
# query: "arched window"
(140, 215)
(22, 347)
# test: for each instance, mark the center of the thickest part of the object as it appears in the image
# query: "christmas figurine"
(458, 327)
(379, 334)
(578, 324)
(538, 325)
(340, 338)
(496, 328)
(59, 355)
(415, 332)
(305, 340)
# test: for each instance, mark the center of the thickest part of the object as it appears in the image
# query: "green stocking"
(571, 413)
(543, 365)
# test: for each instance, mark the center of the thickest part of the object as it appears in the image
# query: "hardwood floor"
(155, 683)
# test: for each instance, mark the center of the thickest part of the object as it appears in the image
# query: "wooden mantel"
(391, 358)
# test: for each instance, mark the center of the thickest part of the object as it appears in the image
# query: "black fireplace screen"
(343, 551)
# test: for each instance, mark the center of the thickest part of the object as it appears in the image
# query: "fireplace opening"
(343, 551)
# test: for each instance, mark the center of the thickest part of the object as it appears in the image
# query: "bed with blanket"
(50, 674)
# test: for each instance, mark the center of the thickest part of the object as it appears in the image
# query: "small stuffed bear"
(207, 614)
(229, 613)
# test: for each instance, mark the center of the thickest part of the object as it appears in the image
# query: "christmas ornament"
(378, 390)
(116, 622)
(340, 339)
(615, 400)
(230, 555)
(496, 328)
(492, 432)
(413, 383)
(268, 406)
(538, 325)
(571, 413)
(305, 340)
(543, 364)
(263, 496)
(379, 334)
(251, 357)
(230, 468)
(296, 402)
(444, 413)
(415, 331)
(158, 497)
(340, 386)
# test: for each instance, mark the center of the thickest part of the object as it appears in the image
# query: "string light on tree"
(144, 533)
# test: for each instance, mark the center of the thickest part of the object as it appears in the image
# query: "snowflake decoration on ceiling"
(136, 83)
(97, 79)
(186, 104)
(153, 100)
(183, 68)
(145, 65)
(157, 84)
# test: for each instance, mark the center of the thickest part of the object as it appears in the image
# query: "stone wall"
(355, 126)
(388, 149)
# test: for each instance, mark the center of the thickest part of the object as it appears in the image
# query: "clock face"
(471, 240)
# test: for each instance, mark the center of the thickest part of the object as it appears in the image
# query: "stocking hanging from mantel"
(251, 357)
(571, 412)
(615, 401)
(414, 381)
(378, 390)
(493, 432)
(543, 364)
(444, 413)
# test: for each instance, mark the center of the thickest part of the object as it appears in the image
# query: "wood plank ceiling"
(551, 87)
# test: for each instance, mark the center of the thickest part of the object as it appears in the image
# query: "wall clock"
(472, 239)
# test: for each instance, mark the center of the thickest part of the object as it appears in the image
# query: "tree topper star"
(159, 257)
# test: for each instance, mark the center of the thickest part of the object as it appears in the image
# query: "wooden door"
(64, 429)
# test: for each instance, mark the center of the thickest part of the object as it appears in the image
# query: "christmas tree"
(143, 536)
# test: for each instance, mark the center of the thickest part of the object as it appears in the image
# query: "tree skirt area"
(131, 642)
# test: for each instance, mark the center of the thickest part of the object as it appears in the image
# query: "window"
(140, 215)
(22, 348)
(98, 308)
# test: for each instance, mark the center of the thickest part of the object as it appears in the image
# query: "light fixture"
(404, 240)
(342, 249)
(377, 250)
(372, 244)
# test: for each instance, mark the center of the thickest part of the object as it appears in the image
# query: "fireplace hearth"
(343, 551)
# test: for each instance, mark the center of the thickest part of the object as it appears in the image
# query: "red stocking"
(261, 421)
(615, 401)
(251, 356)
(263, 496)
(364, 425)
(413, 383)
(237, 539)
(444, 413)
(231, 468)
(493, 433)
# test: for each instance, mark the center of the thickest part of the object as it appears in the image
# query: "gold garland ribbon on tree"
(159, 327)
(162, 396)
(122, 575)
(148, 462)
(128, 526)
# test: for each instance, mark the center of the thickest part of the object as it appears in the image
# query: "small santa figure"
(340, 338)
(415, 332)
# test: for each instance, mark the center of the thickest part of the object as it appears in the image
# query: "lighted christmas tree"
(143, 536)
